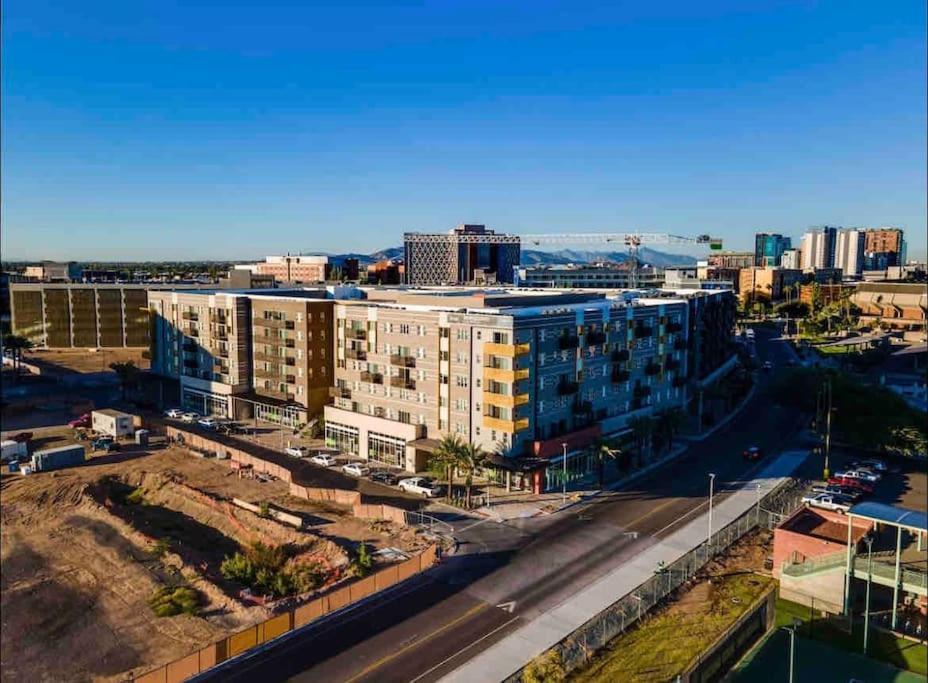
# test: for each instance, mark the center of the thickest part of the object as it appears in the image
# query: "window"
(462, 334)
(404, 328)
(460, 380)
(460, 357)
(500, 338)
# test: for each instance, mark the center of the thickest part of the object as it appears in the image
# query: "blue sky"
(148, 130)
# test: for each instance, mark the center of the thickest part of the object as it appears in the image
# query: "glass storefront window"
(342, 437)
(386, 449)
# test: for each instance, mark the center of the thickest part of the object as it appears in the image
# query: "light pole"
(792, 649)
(711, 491)
(869, 540)
(758, 503)
(828, 432)
(564, 449)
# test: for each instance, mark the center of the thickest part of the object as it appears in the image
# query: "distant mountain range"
(533, 257)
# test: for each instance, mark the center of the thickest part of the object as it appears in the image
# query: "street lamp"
(564, 448)
(869, 541)
(711, 491)
(792, 647)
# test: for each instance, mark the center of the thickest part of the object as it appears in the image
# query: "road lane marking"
(383, 660)
(508, 606)
(464, 649)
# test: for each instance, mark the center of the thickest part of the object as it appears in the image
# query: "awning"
(427, 445)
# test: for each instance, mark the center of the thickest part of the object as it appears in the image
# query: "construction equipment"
(632, 240)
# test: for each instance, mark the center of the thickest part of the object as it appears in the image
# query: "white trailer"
(12, 450)
(114, 423)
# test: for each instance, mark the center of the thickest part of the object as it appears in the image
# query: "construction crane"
(632, 240)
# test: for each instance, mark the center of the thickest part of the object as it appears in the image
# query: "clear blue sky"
(146, 130)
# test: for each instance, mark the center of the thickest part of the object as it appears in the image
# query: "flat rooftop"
(809, 522)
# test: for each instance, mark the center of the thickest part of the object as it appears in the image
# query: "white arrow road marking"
(508, 606)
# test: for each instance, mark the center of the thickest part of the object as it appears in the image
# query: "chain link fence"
(579, 647)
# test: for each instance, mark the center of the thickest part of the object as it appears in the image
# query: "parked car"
(827, 502)
(753, 454)
(229, 428)
(208, 422)
(858, 484)
(323, 459)
(384, 477)
(356, 469)
(105, 444)
(297, 451)
(190, 418)
(864, 475)
(174, 412)
(420, 485)
(838, 490)
(82, 421)
(871, 464)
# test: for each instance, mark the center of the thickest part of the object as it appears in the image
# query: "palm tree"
(447, 457)
(669, 423)
(17, 344)
(128, 374)
(603, 450)
(471, 458)
(642, 429)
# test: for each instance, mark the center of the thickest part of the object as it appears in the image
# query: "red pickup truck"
(82, 421)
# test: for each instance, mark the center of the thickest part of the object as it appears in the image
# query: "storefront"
(389, 450)
(204, 403)
(342, 437)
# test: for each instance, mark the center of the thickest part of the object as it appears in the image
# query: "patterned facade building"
(468, 254)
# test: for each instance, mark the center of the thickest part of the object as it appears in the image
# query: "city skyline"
(320, 132)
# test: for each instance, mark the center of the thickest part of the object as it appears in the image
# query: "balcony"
(504, 375)
(402, 360)
(595, 338)
(619, 376)
(222, 353)
(274, 323)
(339, 392)
(189, 315)
(372, 377)
(353, 333)
(567, 388)
(642, 331)
(261, 373)
(504, 400)
(506, 350)
(403, 382)
(652, 369)
(269, 357)
(679, 345)
(506, 426)
(220, 335)
(641, 391)
(290, 379)
(568, 341)
(356, 354)
(621, 355)
(276, 341)
(273, 393)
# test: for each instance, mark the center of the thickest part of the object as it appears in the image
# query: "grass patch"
(661, 647)
(885, 647)
(168, 601)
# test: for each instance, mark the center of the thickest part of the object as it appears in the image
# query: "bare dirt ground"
(78, 564)
(64, 361)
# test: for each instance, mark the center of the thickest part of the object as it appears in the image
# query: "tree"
(669, 423)
(642, 430)
(470, 458)
(447, 457)
(17, 344)
(128, 375)
(602, 449)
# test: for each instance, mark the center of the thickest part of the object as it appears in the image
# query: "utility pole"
(867, 603)
(828, 431)
(711, 491)
(792, 651)
(564, 448)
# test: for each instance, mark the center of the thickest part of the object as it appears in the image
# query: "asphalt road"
(505, 574)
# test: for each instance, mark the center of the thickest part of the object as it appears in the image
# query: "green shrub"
(168, 601)
(264, 510)
(162, 545)
(545, 668)
(362, 562)
(136, 497)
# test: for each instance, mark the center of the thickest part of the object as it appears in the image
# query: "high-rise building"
(791, 259)
(464, 255)
(849, 252)
(818, 248)
(769, 248)
(732, 259)
(51, 271)
(884, 247)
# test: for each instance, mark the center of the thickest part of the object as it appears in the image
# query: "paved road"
(507, 573)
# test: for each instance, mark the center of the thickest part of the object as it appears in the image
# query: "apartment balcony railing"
(372, 377)
(273, 393)
(505, 375)
(619, 375)
(505, 400)
(402, 360)
(506, 350)
(356, 354)
(188, 315)
(652, 369)
(274, 323)
(642, 331)
(339, 392)
(276, 341)
(403, 382)
(290, 379)
(222, 336)
(567, 388)
(506, 426)
(568, 341)
(262, 373)
(621, 355)
(595, 338)
(352, 333)
(222, 353)
(272, 358)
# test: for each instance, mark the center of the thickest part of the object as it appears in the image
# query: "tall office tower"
(791, 259)
(849, 252)
(818, 248)
(769, 248)
(467, 254)
(884, 247)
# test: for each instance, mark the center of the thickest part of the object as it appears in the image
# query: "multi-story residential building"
(769, 248)
(818, 248)
(461, 256)
(588, 275)
(884, 247)
(264, 355)
(766, 284)
(83, 316)
(791, 259)
(50, 271)
(732, 259)
(291, 269)
(849, 252)
(515, 372)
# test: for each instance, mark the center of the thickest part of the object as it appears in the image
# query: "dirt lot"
(84, 549)
(65, 361)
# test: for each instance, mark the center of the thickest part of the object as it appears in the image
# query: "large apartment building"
(465, 255)
(80, 316)
(588, 275)
(516, 372)
(262, 354)
(293, 269)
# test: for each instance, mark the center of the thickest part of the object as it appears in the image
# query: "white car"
(827, 502)
(208, 422)
(323, 459)
(173, 412)
(872, 464)
(420, 485)
(190, 417)
(860, 475)
(296, 451)
(356, 469)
